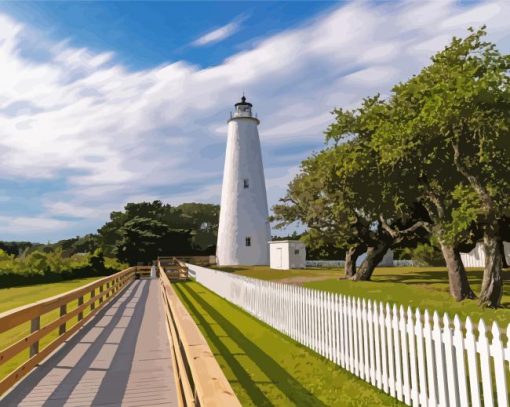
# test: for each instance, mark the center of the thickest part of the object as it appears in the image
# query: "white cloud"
(219, 34)
(21, 225)
(107, 135)
(74, 210)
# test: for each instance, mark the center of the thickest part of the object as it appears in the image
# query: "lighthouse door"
(279, 257)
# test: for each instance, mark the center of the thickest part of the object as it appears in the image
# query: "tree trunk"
(351, 255)
(492, 283)
(374, 256)
(503, 257)
(458, 282)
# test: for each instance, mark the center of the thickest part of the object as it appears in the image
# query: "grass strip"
(417, 287)
(17, 296)
(266, 368)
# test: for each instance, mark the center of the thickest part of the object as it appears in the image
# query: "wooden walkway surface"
(120, 358)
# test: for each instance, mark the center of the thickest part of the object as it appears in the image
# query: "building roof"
(285, 241)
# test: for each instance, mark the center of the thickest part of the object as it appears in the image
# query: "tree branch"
(396, 233)
(473, 180)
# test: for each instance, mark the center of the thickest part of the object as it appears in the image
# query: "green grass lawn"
(14, 297)
(265, 273)
(265, 367)
(423, 287)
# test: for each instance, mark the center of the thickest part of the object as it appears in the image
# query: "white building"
(287, 254)
(244, 230)
(476, 257)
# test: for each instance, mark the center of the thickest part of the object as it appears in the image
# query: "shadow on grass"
(241, 375)
(278, 376)
(430, 277)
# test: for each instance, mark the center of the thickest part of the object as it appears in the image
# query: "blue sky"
(104, 103)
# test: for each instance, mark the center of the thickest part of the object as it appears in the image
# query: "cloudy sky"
(107, 103)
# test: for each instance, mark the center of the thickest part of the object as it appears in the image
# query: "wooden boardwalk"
(120, 358)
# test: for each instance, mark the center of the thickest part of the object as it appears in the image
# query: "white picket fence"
(420, 359)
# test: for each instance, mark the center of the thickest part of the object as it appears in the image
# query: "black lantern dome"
(243, 102)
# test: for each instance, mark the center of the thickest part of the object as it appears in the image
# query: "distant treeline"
(138, 234)
(40, 267)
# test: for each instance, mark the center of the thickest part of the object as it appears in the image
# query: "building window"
(248, 241)
(246, 183)
(296, 251)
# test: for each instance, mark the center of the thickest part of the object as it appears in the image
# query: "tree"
(385, 217)
(203, 220)
(313, 201)
(144, 239)
(337, 196)
(453, 121)
(426, 174)
(200, 221)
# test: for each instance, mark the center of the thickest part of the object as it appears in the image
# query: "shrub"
(40, 267)
(424, 255)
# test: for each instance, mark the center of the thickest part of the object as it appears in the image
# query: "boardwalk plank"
(121, 357)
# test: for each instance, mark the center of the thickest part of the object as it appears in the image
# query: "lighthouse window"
(246, 183)
(248, 241)
(296, 251)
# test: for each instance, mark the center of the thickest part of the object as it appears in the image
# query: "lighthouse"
(244, 230)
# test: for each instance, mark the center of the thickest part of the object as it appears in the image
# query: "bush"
(46, 267)
(424, 255)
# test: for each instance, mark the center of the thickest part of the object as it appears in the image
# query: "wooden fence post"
(35, 325)
(80, 302)
(63, 311)
(93, 304)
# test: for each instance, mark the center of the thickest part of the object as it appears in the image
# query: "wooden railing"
(199, 379)
(90, 298)
(175, 269)
(142, 271)
(199, 260)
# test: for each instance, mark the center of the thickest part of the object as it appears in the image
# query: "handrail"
(177, 270)
(199, 378)
(106, 288)
(199, 260)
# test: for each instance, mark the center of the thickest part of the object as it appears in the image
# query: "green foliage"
(449, 126)
(138, 234)
(434, 154)
(424, 255)
(144, 239)
(15, 248)
(147, 229)
(43, 267)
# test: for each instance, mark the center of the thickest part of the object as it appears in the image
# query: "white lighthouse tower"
(244, 230)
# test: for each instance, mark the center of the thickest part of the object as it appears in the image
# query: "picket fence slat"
(418, 331)
(405, 357)
(419, 359)
(384, 360)
(412, 357)
(391, 366)
(430, 360)
(497, 353)
(359, 334)
(450, 368)
(364, 322)
(398, 359)
(458, 343)
(483, 348)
